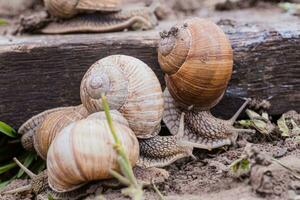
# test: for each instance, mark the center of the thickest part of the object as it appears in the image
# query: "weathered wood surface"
(41, 72)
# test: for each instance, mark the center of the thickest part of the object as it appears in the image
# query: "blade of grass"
(161, 196)
(50, 197)
(3, 22)
(7, 130)
(27, 162)
(135, 190)
(118, 146)
(5, 183)
(7, 167)
(121, 178)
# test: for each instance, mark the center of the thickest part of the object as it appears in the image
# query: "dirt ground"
(210, 178)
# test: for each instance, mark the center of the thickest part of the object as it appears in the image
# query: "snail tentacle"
(161, 151)
(238, 112)
(25, 169)
(37, 184)
(202, 129)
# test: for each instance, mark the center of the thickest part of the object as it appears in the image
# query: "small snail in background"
(70, 8)
(39, 131)
(197, 59)
(84, 16)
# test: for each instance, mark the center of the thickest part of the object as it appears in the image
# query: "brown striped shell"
(197, 59)
(30, 127)
(53, 124)
(69, 8)
(84, 151)
(131, 87)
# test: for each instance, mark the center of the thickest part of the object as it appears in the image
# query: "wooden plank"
(41, 72)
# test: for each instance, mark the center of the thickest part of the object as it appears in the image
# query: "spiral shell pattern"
(84, 152)
(61, 8)
(53, 124)
(131, 87)
(197, 59)
(69, 8)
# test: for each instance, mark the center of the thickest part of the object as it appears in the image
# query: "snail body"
(131, 87)
(128, 18)
(70, 8)
(197, 59)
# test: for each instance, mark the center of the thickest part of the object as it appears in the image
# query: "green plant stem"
(161, 196)
(7, 167)
(118, 176)
(134, 188)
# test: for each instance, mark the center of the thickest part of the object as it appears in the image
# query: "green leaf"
(240, 166)
(5, 183)
(7, 167)
(50, 197)
(7, 130)
(245, 123)
(161, 196)
(265, 115)
(281, 123)
(3, 21)
(252, 115)
(295, 126)
(27, 162)
(261, 126)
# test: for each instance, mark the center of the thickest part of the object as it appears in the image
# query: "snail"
(83, 152)
(70, 8)
(40, 187)
(39, 131)
(197, 59)
(131, 16)
(133, 89)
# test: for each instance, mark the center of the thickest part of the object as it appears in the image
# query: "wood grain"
(42, 72)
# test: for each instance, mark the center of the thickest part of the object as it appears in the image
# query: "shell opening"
(97, 85)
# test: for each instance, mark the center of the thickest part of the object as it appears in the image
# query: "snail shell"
(197, 59)
(131, 87)
(53, 124)
(29, 128)
(69, 8)
(83, 151)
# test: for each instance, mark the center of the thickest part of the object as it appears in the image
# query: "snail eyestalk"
(236, 115)
(27, 171)
(134, 189)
